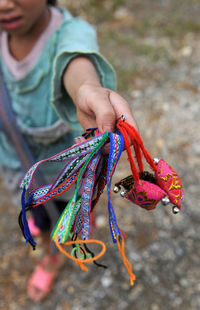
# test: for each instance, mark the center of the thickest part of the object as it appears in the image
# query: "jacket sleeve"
(76, 37)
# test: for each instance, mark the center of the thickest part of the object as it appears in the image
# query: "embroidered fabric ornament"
(90, 170)
(143, 188)
(169, 180)
(145, 194)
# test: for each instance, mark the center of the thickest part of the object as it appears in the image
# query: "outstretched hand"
(101, 107)
(96, 106)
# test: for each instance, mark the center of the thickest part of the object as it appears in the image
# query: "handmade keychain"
(91, 170)
(144, 188)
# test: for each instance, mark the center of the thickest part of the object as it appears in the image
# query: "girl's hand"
(96, 106)
(101, 107)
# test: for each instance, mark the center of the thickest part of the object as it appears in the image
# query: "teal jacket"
(39, 99)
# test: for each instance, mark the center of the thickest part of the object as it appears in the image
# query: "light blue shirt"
(39, 99)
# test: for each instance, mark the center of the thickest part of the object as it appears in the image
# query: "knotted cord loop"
(81, 262)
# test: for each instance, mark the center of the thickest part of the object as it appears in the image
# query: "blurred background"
(154, 46)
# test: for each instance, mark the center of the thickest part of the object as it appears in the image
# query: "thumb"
(121, 107)
(105, 116)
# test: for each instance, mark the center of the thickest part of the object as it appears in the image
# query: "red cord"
(145, 152)
(128, 149)
(127, 131)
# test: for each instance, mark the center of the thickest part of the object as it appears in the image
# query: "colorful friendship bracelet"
(91, 170)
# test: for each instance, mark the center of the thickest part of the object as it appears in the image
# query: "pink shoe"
(34, 230)
(41, 281)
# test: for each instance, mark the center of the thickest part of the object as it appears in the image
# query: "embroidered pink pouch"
(170, 182)
(145, 194)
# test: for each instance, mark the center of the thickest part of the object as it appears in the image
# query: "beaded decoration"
(91, 170)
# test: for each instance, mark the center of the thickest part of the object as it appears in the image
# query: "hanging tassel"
(92, 254)
(26, 230)
(127, 264)
(134, 135)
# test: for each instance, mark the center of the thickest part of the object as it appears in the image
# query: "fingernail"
(107, 128)
(77, 139)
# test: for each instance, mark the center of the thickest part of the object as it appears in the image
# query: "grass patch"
(166, 26)
(125, 77)
(137, 48)
(96, 11)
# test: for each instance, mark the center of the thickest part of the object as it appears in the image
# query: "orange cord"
(127, 264)
(81, 262)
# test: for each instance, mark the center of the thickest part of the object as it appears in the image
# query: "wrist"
(80, 74)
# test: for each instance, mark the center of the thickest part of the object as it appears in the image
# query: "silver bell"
(175, 209)
(123, 193)
(116, 189)
(156, 160)
(165, 201)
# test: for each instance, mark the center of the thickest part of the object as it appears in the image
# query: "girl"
(57, 80)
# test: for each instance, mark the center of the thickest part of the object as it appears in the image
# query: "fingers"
(87, 120)
(121, 107)
(96, 111)
(108, 110)
(79, 140)
(105, 115)
(102, 108)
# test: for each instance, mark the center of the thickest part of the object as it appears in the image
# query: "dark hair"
(52, 2)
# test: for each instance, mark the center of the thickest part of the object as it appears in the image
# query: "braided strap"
(87, 194)
(64, 224)
(68, 154)
(63, 182)
(116, 148)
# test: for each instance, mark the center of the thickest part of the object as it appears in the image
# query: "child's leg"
(41, 218)
(42, 279)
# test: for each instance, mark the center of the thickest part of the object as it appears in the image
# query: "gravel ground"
(159, 74)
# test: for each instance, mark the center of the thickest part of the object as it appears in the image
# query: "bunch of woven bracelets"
(91, 170)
